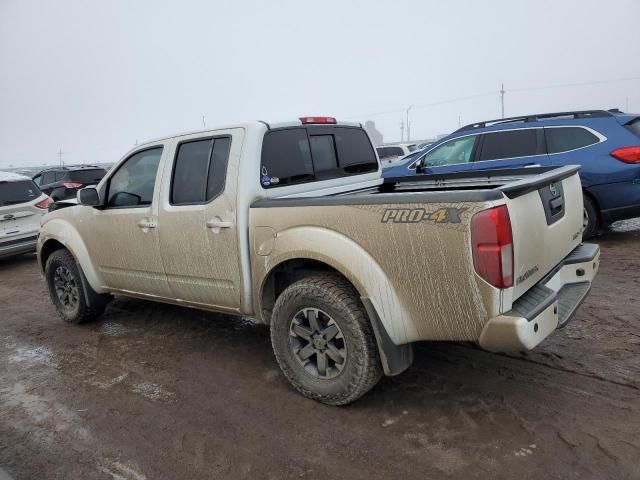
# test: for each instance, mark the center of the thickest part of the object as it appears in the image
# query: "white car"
(391, 153)
(22, 204)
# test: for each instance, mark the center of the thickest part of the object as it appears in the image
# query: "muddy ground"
(158, 392)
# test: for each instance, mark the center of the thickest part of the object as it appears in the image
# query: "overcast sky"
(94, 77)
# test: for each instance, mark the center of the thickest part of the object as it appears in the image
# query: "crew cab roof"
(246, 125)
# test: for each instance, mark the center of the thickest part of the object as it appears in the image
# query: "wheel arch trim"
(62, 232)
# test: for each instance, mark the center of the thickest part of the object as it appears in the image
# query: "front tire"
(67, 289)
(590, 221)
(323, 340)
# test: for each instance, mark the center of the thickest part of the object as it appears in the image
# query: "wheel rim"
(585, 220)
(66, 288)
(318, 343)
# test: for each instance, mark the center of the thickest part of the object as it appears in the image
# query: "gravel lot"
(158, 392)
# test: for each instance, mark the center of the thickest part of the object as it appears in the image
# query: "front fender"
(352, 261)
(61, 230)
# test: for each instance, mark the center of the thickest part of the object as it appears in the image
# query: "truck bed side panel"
(412, 260)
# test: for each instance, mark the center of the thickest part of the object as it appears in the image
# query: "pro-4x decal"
(417, 215)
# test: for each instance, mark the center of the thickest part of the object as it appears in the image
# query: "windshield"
(22, 191)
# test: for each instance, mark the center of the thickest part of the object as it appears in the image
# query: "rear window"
(563, 139)
(412, 148)
(634, 127)
(386, 152)
(21, 191)
(87, 176)
(510, 144)
(48, 177)
(308, 154)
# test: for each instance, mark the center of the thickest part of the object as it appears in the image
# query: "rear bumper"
(546, 306)
(18, 246)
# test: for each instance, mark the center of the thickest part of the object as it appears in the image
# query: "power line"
(580, 84)
(487, 94)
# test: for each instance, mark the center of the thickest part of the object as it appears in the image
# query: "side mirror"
(89, 196)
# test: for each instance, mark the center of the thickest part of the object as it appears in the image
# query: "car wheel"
(67, 289)
(589, 219)
(323, 340)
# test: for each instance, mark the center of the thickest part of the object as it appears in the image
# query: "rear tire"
(323, 340)
(67, 289)
(590, 223)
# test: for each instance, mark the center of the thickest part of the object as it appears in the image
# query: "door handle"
(147, 223)
(217, 222)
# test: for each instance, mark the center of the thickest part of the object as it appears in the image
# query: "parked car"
(293, 225)
(606, 144)
(22, 205)
(62, 183)
(391, 153)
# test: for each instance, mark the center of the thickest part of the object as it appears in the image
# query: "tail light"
(492, 246)
(627, 154)
(44, 204)
(306, 120)
(71, 185)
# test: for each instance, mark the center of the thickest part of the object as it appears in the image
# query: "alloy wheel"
(66, 288)
(318, 343)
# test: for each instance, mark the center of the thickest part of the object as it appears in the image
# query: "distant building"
(374, 133)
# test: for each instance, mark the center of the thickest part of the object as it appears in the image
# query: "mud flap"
(92, 298)
(395, 358)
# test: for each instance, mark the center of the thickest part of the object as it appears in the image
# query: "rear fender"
(348, 258)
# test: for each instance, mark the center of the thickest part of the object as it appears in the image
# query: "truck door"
(198, 220)
(122, 237)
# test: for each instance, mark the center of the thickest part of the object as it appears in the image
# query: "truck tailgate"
(546, 220)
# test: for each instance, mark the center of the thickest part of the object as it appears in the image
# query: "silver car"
(22, 204)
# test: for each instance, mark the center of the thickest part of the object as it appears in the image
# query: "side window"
(37, 180)
(200, 170)
(218, 167)
(457, 150)
(132, 184)
(510, 144)
(60, 175)
(48, 177)
(563, 139)
(190, 172)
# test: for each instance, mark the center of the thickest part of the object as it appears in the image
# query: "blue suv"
(605, 143)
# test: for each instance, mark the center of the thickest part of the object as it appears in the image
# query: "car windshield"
(22, 191)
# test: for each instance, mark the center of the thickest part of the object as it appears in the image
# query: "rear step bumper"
(546, 306)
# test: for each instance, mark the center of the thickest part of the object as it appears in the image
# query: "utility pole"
(408, 125)
(60, 157)
(502, 92)
(402, 130)
(203, 124)
(458, 121)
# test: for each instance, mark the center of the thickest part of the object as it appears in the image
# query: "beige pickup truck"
(292, 224)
